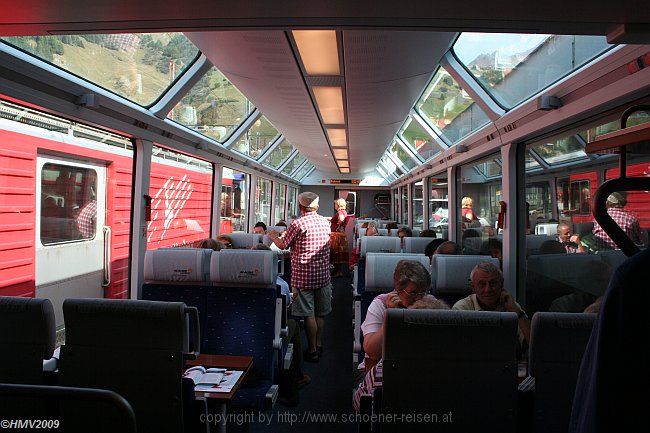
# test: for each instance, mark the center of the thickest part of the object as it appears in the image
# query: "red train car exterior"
(180, 210)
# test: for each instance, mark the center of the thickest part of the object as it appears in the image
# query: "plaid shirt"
(86, 219)
(628, 222)
(308, 237)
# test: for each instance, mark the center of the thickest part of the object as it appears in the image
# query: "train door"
(70, 230)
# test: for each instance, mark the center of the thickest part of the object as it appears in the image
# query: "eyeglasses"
(413, 295)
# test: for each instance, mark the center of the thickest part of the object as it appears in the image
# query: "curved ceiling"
(385, 73)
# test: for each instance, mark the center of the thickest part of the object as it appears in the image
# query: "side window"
(580, 196)
(68, 203)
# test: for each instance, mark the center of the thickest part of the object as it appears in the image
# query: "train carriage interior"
(155, 221)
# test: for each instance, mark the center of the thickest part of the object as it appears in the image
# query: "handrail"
(73, 393)
(107, 256)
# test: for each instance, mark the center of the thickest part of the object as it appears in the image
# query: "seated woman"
(412, 282)
(374, 377)
(211, 244)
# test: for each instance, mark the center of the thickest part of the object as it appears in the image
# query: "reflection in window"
(439, 207)
(255, 141)
(292, 165)
(513, 67)
(479, 198)
(233, 201)
(418, 204)
(538, 197)
(401, 155)
(635, 119)
(279, 155)
(263, 201)
(137, 66)
(280, 198)
(562, 150)
(573, 198)
(181, 191)
(448, 108)
(68, 203)
(418, 140)
(531, 163)
(214, 107)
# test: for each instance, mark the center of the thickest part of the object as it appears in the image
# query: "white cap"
(308, 199)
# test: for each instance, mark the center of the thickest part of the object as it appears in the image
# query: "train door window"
(418, 204)
(479, 193)
(234, 193)
(292, 205)
(439, 206)
(280, 198)
(68, 203)
(350, 199)
(405, 205)
(181, 192)
(263, 201)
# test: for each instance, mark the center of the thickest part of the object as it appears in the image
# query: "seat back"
(551, 276)
(450, 275)
(276, 228)
(178, 275)
(242, 307)
(381, 266)
(549, 229)
(379, 244)
(613, 258)
(472, 246)
(534, 242)
(416, 245)
(558, 341)
(467, 357)
(27, 338)
(416, 232)
(244, 240)
(135, 348)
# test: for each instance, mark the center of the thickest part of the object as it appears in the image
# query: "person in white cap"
(308, 238)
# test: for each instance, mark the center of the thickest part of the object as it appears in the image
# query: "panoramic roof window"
(303, 172)
(560, 151)
(278, 155)
(401, 155)
(418, 140)
(390, 166)
(450, 110)
(293, 164)
(513, 67)
(213, 107)
(531, 163)
(137, 66)
(256, 140)
(635, 119)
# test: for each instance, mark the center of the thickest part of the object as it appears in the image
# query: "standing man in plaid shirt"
(627, 221)
(308, 238)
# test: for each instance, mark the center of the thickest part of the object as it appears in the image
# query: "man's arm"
(511, 306)
(373, 341)
(277, 240)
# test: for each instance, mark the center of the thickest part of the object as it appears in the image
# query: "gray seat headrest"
(177, 264)
(244, 240)
(379, 244)
(244, 268)
(29, 322)
(452, 272)
(381, 266)
(416, 245)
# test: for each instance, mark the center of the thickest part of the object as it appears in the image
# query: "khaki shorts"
(317, 302)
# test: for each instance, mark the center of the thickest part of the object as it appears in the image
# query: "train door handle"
(107, 256)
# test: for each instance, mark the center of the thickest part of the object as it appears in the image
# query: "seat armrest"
(288, 357)
(50, 365)
(271, 397)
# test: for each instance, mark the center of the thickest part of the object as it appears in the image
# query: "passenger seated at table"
(374, 377)
(449, 248)
(411, 282)
(552, 247)
(489, 295)
(211, 244)
(259, 228)
(571, 242)
(428, 234)
(226, 241)
(431, 248)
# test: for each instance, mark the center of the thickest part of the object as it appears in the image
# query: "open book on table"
(212, 379)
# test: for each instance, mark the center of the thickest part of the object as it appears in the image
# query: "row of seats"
(386, 232)
(463, 363)
(241, 310)
(134, 348)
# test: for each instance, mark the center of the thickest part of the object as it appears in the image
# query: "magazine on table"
(213, 379)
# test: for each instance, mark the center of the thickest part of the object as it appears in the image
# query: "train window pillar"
(426, 192)
(141, 180)
(515, 221)
(252, 203)
(452, 212)
(215, 224)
